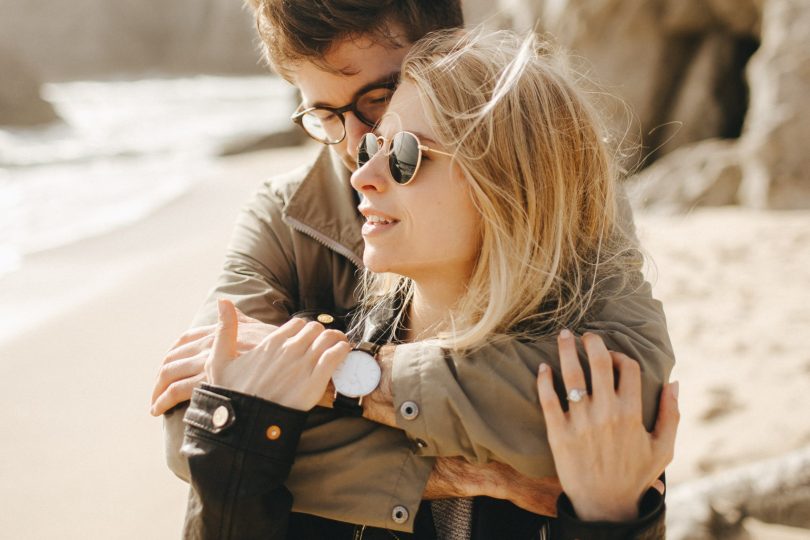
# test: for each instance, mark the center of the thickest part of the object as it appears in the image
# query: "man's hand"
(455, 477)
(182, 368)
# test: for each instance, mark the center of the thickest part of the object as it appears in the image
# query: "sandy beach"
(84, 328)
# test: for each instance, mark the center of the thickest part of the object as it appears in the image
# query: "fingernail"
(543, 368)
(675, 388)
(221, 307)
(565, 333)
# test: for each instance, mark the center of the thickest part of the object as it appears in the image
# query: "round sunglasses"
(404, 154)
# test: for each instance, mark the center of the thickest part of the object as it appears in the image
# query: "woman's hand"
(183, 367)
(605, 458)
(291, 367)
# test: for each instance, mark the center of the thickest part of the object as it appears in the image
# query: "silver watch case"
(358, 375)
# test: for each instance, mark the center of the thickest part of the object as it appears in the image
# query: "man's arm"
(483, 406)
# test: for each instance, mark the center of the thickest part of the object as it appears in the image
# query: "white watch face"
(358, 375)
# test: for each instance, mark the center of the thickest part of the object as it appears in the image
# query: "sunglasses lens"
(404, 158)
(366, 149)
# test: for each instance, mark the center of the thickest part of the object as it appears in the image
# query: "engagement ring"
(575, 394)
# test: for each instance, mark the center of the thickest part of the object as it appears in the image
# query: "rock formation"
(682, 67)
(775, 144)
(20, 102)
(716, 507)
(92, 39)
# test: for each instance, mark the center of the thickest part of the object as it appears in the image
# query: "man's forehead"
(347, 70)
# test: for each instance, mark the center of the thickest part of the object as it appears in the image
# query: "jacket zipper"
(325, 240)
(358, 532)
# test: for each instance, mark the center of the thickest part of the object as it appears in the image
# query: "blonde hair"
(539, 173)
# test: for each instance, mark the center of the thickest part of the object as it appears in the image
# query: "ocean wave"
(127, 148)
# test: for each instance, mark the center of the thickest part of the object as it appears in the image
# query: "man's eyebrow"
(389, 78)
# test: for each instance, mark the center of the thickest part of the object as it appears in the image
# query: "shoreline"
(93, 320)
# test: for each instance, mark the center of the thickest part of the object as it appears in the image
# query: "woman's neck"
(431, 306)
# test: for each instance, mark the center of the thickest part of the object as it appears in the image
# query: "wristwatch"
(355, 378)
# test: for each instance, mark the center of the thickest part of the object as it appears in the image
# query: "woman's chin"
(375, 264)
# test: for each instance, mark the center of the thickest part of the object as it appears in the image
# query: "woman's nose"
(372, 175)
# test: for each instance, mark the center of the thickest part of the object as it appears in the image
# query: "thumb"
(666, 425)
(224, 347)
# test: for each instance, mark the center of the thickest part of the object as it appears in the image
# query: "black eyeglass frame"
(298, 116)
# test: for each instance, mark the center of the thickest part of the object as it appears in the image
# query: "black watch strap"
(348, 406)
(352, 406)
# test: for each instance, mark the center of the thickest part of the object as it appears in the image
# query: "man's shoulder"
(283, 187)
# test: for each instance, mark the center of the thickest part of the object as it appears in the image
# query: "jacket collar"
(325, 206)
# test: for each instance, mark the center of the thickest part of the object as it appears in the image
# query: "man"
(297, 246)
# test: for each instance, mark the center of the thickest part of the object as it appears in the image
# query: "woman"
(488, 196)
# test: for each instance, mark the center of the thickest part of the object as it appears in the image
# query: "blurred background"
(131, 132)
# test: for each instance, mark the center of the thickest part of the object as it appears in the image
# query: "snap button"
(399, 514)
(325, 318)
(273, 432)
(409, 410)
(220, 417)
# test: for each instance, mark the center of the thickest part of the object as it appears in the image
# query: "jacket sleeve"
(258, 276)
(483, 405)
(650, 524)
(240, 450)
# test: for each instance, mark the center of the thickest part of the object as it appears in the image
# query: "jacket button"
(325, 318)
(273, 432)
(409, 410)
(220, 416)
(399, 514)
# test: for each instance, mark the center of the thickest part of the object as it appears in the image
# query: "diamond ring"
(576, 394)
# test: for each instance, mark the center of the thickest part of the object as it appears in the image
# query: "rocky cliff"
(51, 40)
(716, 90)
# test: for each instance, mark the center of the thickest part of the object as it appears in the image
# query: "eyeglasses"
(404, 155)
(328, 124)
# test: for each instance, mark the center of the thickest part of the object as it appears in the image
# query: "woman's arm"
(238, 468)
(240, 448)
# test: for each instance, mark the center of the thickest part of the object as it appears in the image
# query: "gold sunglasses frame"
(386, 148)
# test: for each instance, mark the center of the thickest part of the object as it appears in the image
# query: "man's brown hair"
(295, 30)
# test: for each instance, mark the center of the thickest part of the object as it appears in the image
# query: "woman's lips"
(377, 225)
(376, 221)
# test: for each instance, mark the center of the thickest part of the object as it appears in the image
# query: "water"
(126, 148)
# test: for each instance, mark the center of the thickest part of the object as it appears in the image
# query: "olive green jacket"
(296, 246)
